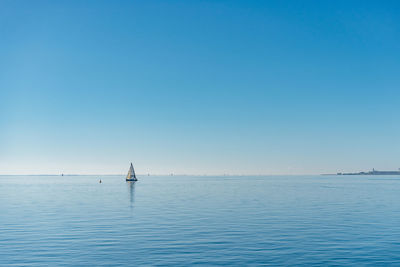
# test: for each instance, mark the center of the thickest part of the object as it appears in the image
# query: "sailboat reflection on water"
(131, 188)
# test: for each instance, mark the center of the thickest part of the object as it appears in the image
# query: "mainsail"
(131, 174)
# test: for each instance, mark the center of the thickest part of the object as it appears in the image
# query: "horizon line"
(169, 174)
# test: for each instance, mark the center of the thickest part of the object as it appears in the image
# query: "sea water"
(203, 220)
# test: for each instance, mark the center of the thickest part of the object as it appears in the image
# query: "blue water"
(187, 220)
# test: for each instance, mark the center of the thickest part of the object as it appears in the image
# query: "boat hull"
(131, 180)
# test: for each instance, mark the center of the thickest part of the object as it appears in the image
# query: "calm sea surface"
(186, 220)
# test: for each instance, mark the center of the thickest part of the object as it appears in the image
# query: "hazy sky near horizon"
(199, 87)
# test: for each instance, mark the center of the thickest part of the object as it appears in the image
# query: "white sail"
(131, 173)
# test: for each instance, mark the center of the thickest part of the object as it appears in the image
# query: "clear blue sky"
(199, 87)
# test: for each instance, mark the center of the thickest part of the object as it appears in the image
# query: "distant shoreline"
(373, 172)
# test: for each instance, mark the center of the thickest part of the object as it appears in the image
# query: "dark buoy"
(100, 181)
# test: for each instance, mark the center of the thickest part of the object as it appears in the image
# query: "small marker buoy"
(100, 181)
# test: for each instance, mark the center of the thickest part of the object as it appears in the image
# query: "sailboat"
(131, 174)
